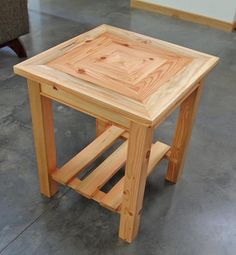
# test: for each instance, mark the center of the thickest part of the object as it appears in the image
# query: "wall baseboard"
(223, 25)
(234, 25)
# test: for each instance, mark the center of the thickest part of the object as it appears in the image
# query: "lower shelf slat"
(113, 199)
(104, 172)
(91, 185)
(76, 182)
(77, 164)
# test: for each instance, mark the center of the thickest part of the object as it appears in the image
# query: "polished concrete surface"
(197, 216)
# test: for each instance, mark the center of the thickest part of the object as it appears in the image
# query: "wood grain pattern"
(187, 114)
(104, 172)
(140, 141)
(87, 155)
(130, 83)
(81, 104)
(113, 199)
(137, 76)
(43, 129)
(101, 126)
(125, 66)
(76, 182)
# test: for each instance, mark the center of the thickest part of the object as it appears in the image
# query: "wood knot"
(151, 58)
(102, 58)
(148, 154)
(87, 41)
(81, 71)
(55, 88)
(126, 193)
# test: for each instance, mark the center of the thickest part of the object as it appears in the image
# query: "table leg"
(187, 114)
(43, 129)
(101, 126)
(140, 140)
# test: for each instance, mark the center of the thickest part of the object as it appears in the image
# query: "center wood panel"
(128, 67)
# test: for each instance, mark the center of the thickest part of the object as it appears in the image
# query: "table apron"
(85, 106)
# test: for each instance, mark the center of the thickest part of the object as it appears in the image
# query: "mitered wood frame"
(131, 68)
(147, 112)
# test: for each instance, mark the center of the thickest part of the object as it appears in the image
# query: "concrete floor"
(197, 216)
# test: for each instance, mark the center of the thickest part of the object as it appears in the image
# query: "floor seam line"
(28, 226)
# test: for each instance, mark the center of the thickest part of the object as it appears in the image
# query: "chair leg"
(16, 46)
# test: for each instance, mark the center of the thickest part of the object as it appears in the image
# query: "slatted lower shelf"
(90, 187)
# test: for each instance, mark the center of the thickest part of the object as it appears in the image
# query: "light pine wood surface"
(113, 199)
(78, 163)
(101, 126)
(104, 172)
(140, 141)
(124, 66)
(43, 129)
(187, 114)
(130, 83)
(135, 75)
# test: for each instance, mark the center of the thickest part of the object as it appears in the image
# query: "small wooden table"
(130, 83)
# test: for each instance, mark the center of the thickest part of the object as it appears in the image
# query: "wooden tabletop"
(139, 76)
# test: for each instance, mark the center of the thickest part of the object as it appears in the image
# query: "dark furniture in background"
(14, 22)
